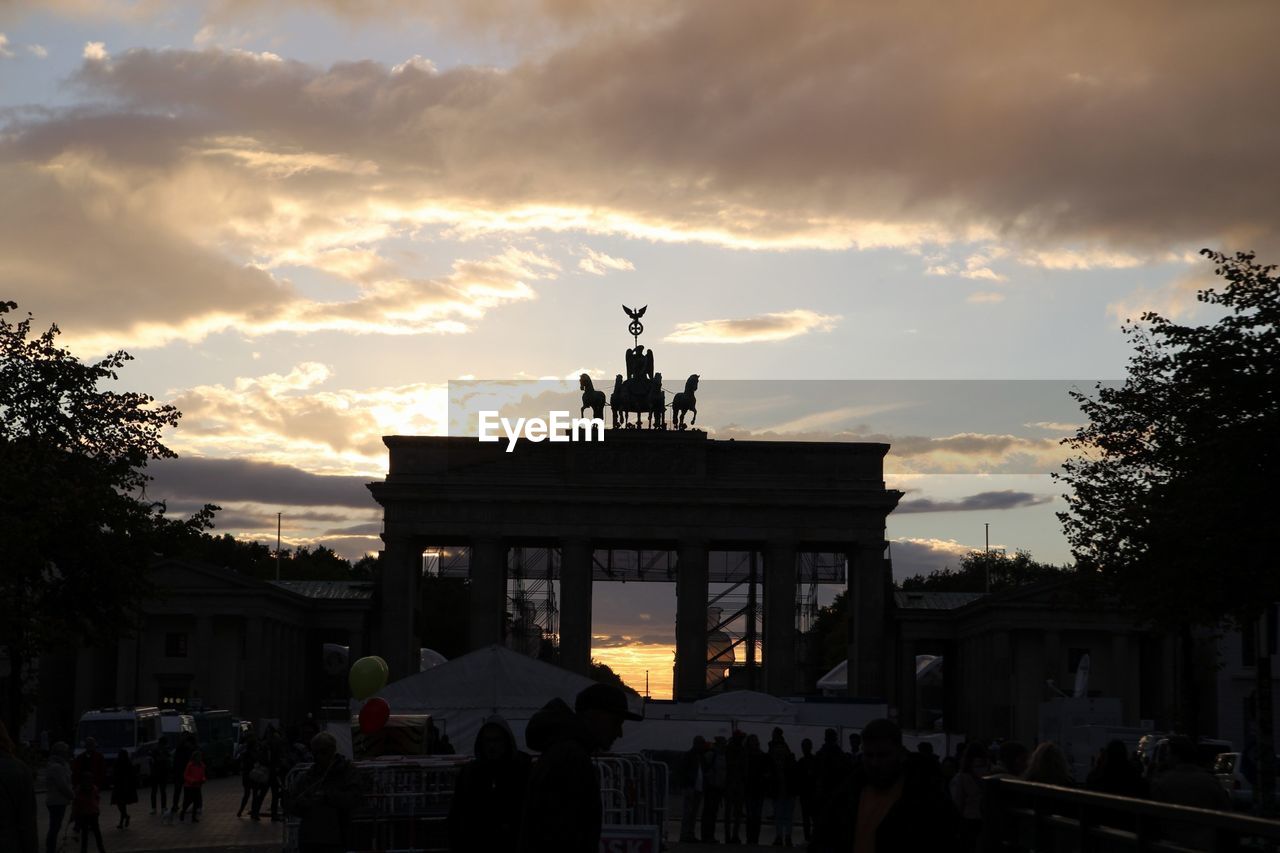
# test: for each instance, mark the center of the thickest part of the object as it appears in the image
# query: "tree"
(979, 567)
(77, 528)
(1171, 487)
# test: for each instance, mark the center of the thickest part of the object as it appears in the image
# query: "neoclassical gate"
(674, 491)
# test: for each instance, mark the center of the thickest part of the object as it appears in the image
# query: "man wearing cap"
(562, 807)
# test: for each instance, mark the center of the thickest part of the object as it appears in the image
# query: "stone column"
(204, 665)
(907, 695)
(1126, 678)
(256, 671)
(867, 604)
(691, 621)
(488, 592)
(779, 619)
(127, 672)
(575, 604)
(400, 571)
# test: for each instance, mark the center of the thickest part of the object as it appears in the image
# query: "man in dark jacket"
(324, 797)
(562, 812)
(887, 804)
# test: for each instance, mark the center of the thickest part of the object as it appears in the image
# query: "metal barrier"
(1028, 816)
(633, 790)
(406, 806)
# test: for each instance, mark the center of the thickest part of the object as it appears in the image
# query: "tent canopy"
(746, 705)
(460, 694)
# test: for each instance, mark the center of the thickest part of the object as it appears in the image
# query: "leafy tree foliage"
(1172, 487)
(604, 674)
(77, 525)
(1005, 572)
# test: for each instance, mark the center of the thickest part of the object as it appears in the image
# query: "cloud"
(5, 52)
(95, 51)
(38, 51)
(598, 263)
(196, 481)
(960, 453)
(920, 556)
(1174, 299)
(1006, 499)
(296, 419)
(762, 327)
(985, 297)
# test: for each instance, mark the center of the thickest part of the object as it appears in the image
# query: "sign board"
(629, 839)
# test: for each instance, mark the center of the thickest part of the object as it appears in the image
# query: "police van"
(115, 729)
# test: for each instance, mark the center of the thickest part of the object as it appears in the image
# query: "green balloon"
(368, 676)
(386, 670)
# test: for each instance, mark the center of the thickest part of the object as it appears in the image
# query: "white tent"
(746, 705)
(835, 681)
(461, 693)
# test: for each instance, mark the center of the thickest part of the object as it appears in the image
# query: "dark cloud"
(235, 480)
(1006, 499)
(922, 556)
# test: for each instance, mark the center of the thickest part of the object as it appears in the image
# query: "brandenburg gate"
(674, 493)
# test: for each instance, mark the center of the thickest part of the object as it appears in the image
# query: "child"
(192, 784)
(84, 812)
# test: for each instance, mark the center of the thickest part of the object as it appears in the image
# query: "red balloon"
(374, 715)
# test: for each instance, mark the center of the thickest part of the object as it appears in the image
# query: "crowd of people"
(876, 796)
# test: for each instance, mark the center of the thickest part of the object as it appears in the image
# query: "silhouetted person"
(255, 776)
(181, 758)
(714, 778)
(85, 810)
(124, 786)
(1013, 758)
(324, 797)
(807, 786)
(693, 783)
(966, 795)
(59, 792)
(833, 767)
(277, 765)
(886, 805)
(1115, 774)
(782, 787)
(855, 748)
(735, 786)
(89, 764)
(161, 773)
(193, 779)
(1048, 766)
(17, 800)
(488, 798)
(758, 776)
(562, 811)
(1186, 783)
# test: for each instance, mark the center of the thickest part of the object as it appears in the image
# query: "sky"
(916, 223)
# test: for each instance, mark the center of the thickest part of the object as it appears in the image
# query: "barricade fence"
(1028, 816)
(407, 800)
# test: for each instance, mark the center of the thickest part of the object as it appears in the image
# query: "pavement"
(220, 831)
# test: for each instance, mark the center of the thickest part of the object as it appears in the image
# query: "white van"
(115, 729)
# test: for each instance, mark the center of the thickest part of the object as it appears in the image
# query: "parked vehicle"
(1227, 768)
(216, 734)
(115, 729)
(174, 726)
(1207, 752)
(241, 729)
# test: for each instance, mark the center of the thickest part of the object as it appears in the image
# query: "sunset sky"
(305, 218)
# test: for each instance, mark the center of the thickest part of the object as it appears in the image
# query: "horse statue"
(591, 398)
(657, 404)
(684, 402)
